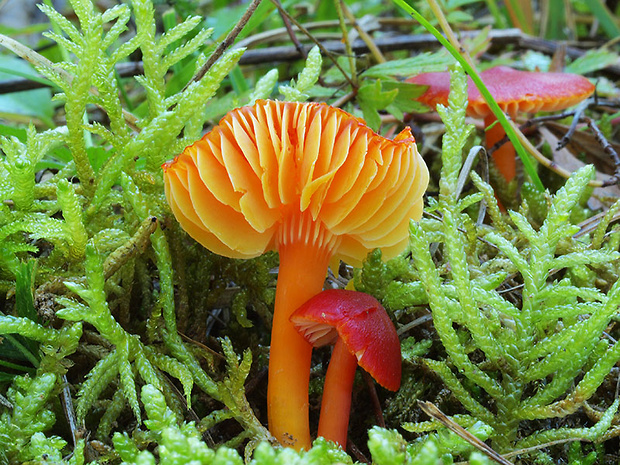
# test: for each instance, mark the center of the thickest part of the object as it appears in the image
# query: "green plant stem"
(44, 82)
(123, 91)
(471, 71)
(498, 18)
(608, 21)
(67, 58)
(347, 43)
(521, 14)
(32, 358)
(15, 366)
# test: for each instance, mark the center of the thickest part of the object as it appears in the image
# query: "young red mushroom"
(515, 92)
(362, 334)
(312, 182)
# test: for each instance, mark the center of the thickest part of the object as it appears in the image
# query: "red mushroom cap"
(515, 91)
(362, 324)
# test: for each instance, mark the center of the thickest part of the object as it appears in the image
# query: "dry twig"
(290, 53)
(227, 42)
(432, 411)
(376, 52)
(324, 51)
(607, 147)
(550, 164)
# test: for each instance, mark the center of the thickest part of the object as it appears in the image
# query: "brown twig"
(347, 43)
(322, 48)
(540, 158)
(527, 450)
(344, 99)
(290, 31)
(209, 350)
(553, 166)
(541, 119)
(528, 42)
(532, 122)
(278, 34)
(577, 113)
(412, 324)
(119, 257)
(376, 52)
(67, 406)
(290, 53)
(376, 403)
(5, 402)
(356, 452)
(432, 411)
(32, 57)
(253, 383)
(227, 42)
(607, 147)
(447, 30)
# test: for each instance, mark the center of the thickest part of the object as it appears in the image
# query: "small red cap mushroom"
(514, 91)
(363, 335)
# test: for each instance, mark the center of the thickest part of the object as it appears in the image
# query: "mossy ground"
(118, 330)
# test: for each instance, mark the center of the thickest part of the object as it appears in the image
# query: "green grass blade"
(608, 21)
(497, 111)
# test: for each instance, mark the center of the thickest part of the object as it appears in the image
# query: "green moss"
(536, 341)
(113, 311)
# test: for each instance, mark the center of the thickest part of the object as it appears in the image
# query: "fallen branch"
(290, 53)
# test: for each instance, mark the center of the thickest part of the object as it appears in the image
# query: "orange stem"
(336, 402)
(303, 268)
(504, 156)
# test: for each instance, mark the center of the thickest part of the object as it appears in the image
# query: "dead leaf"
(567, 160)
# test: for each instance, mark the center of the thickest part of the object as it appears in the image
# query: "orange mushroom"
(362, 334)
(515, 92)
(312, 182)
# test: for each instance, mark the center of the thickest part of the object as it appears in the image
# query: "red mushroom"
(515, 92)
(362, 334)
(312, 182)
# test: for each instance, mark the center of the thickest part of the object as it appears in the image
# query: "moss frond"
(543, 341)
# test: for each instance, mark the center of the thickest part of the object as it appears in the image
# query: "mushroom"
(312, 182)
(515, 91)
(362, 334)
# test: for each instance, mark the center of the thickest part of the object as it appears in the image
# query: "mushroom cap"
(515, 91)
(280, 171)
(362, 324)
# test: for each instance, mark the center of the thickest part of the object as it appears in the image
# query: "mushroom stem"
(336, 401)
(505, 155)
(301, 276)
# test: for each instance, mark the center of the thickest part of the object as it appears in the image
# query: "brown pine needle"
(432, 411)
